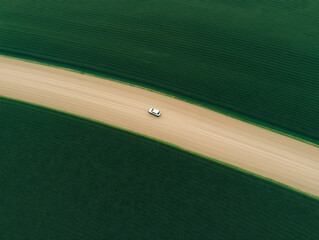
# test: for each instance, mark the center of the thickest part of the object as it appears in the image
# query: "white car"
(154, 112)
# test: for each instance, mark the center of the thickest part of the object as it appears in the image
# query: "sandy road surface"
(192, 127)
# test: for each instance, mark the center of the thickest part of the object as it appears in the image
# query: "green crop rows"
(63, 177)
(255, 58)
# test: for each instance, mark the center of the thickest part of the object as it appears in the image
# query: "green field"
(258, 59)
(64, 177)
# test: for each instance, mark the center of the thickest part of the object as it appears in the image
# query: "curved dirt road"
(191, 127)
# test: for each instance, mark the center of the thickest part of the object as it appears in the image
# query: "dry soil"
(195, 128)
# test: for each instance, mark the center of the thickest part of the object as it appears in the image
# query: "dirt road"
(191, 127)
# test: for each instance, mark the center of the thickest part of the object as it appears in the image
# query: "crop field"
(64, 177)
(258, 59)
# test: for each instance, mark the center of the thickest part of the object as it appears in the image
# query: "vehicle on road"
(154, 112)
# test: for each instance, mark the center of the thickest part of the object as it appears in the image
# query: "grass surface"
(63, 177)
(256, 58)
